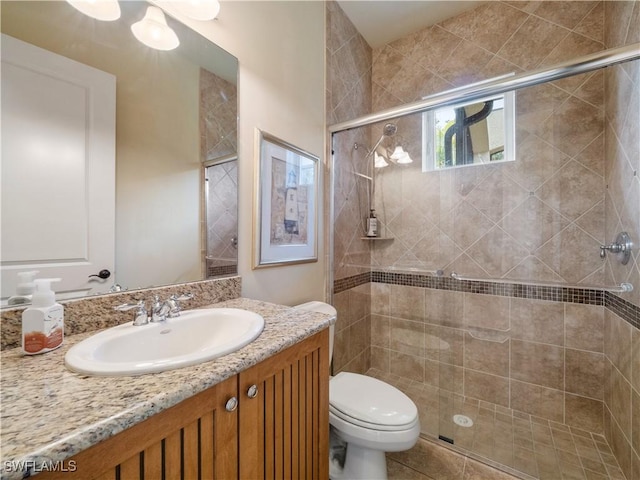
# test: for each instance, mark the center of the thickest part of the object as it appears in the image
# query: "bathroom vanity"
(260, 412)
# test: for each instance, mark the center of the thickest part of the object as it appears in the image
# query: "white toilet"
(371, 416)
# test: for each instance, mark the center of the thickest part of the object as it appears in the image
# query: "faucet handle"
(183, 297)
(174, 301)
(140, 316)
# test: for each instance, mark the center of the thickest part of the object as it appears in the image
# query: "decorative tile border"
(625, 310)
(351, 282)
(589, 296)
(219, 270)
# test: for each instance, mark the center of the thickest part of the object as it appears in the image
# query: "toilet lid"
(370, 400)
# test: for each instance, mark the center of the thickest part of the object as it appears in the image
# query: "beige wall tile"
(407, 302)
(486, 356)
(635, 359)
(635, 420)
(451, 378)
(443, 307)
(380, 331)
(360, 302)
(360, 364)
(489, 388)
(407, 366)
(567, 14)
(432, 373)
(621, 448)
(497, 252)
(537, 320)
(452, 339)
(620, 405)
(486, 311)
(584, 373)
(380, 359)
(407, 336)
(359, 337)
(380, 298)
(584, 327)
(617, 342)
(537, 363)
(433, 343)
(533, 41)
(536, 400)
(584, 413)
(341, 304)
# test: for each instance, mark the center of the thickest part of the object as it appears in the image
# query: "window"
(469, 133)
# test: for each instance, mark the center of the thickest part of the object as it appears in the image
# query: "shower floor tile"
(513, 442)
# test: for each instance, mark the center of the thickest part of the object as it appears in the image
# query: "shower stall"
(483, 295)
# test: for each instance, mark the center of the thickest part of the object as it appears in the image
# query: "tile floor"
(520, 444)
(430, 461)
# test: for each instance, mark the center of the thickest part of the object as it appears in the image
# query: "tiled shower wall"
(513, 220)
(622, 212)
(218, 117)
(219, 140)
(349, 96)
(570, 361)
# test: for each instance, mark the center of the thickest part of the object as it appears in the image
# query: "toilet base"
(362, 464)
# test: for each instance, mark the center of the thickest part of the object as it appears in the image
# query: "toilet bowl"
(369, 415)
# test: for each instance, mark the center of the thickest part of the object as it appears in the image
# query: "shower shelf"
(622, 288)
(376, 238)
(379, 268)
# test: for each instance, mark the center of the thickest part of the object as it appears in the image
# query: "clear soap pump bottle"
(43, 321)
(25, 288)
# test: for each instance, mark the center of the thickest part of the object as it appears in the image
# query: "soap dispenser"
(25, 288)
(43, 321)
(372, 224)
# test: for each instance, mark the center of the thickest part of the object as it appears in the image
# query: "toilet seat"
(370, 403)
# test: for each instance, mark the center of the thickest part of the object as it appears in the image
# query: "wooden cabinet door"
(284, 428)
(196, 439)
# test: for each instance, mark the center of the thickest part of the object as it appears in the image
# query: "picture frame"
(286, 203)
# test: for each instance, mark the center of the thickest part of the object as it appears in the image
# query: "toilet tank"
(322, 307)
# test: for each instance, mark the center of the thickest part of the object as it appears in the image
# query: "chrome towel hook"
(621, 247)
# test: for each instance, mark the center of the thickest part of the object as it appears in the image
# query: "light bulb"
(398, 152)
(404, 159)
(105, 10)
(154, 32)
(198, 9)
(379, 161)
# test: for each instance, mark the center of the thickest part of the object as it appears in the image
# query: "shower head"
(389, 130)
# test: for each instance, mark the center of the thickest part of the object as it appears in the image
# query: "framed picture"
(286, 203)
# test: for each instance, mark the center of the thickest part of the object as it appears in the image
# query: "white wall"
(280, 49)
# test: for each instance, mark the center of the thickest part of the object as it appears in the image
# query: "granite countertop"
(49, 413)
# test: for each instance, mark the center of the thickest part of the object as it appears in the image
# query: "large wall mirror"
(175, 115)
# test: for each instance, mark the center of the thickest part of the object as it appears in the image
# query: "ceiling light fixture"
(154, 32)
(105, 10)
(198, 9)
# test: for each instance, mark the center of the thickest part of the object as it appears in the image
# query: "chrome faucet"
(159, 311)
(140, 316)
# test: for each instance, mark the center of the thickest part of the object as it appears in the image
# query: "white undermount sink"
(194, 337)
